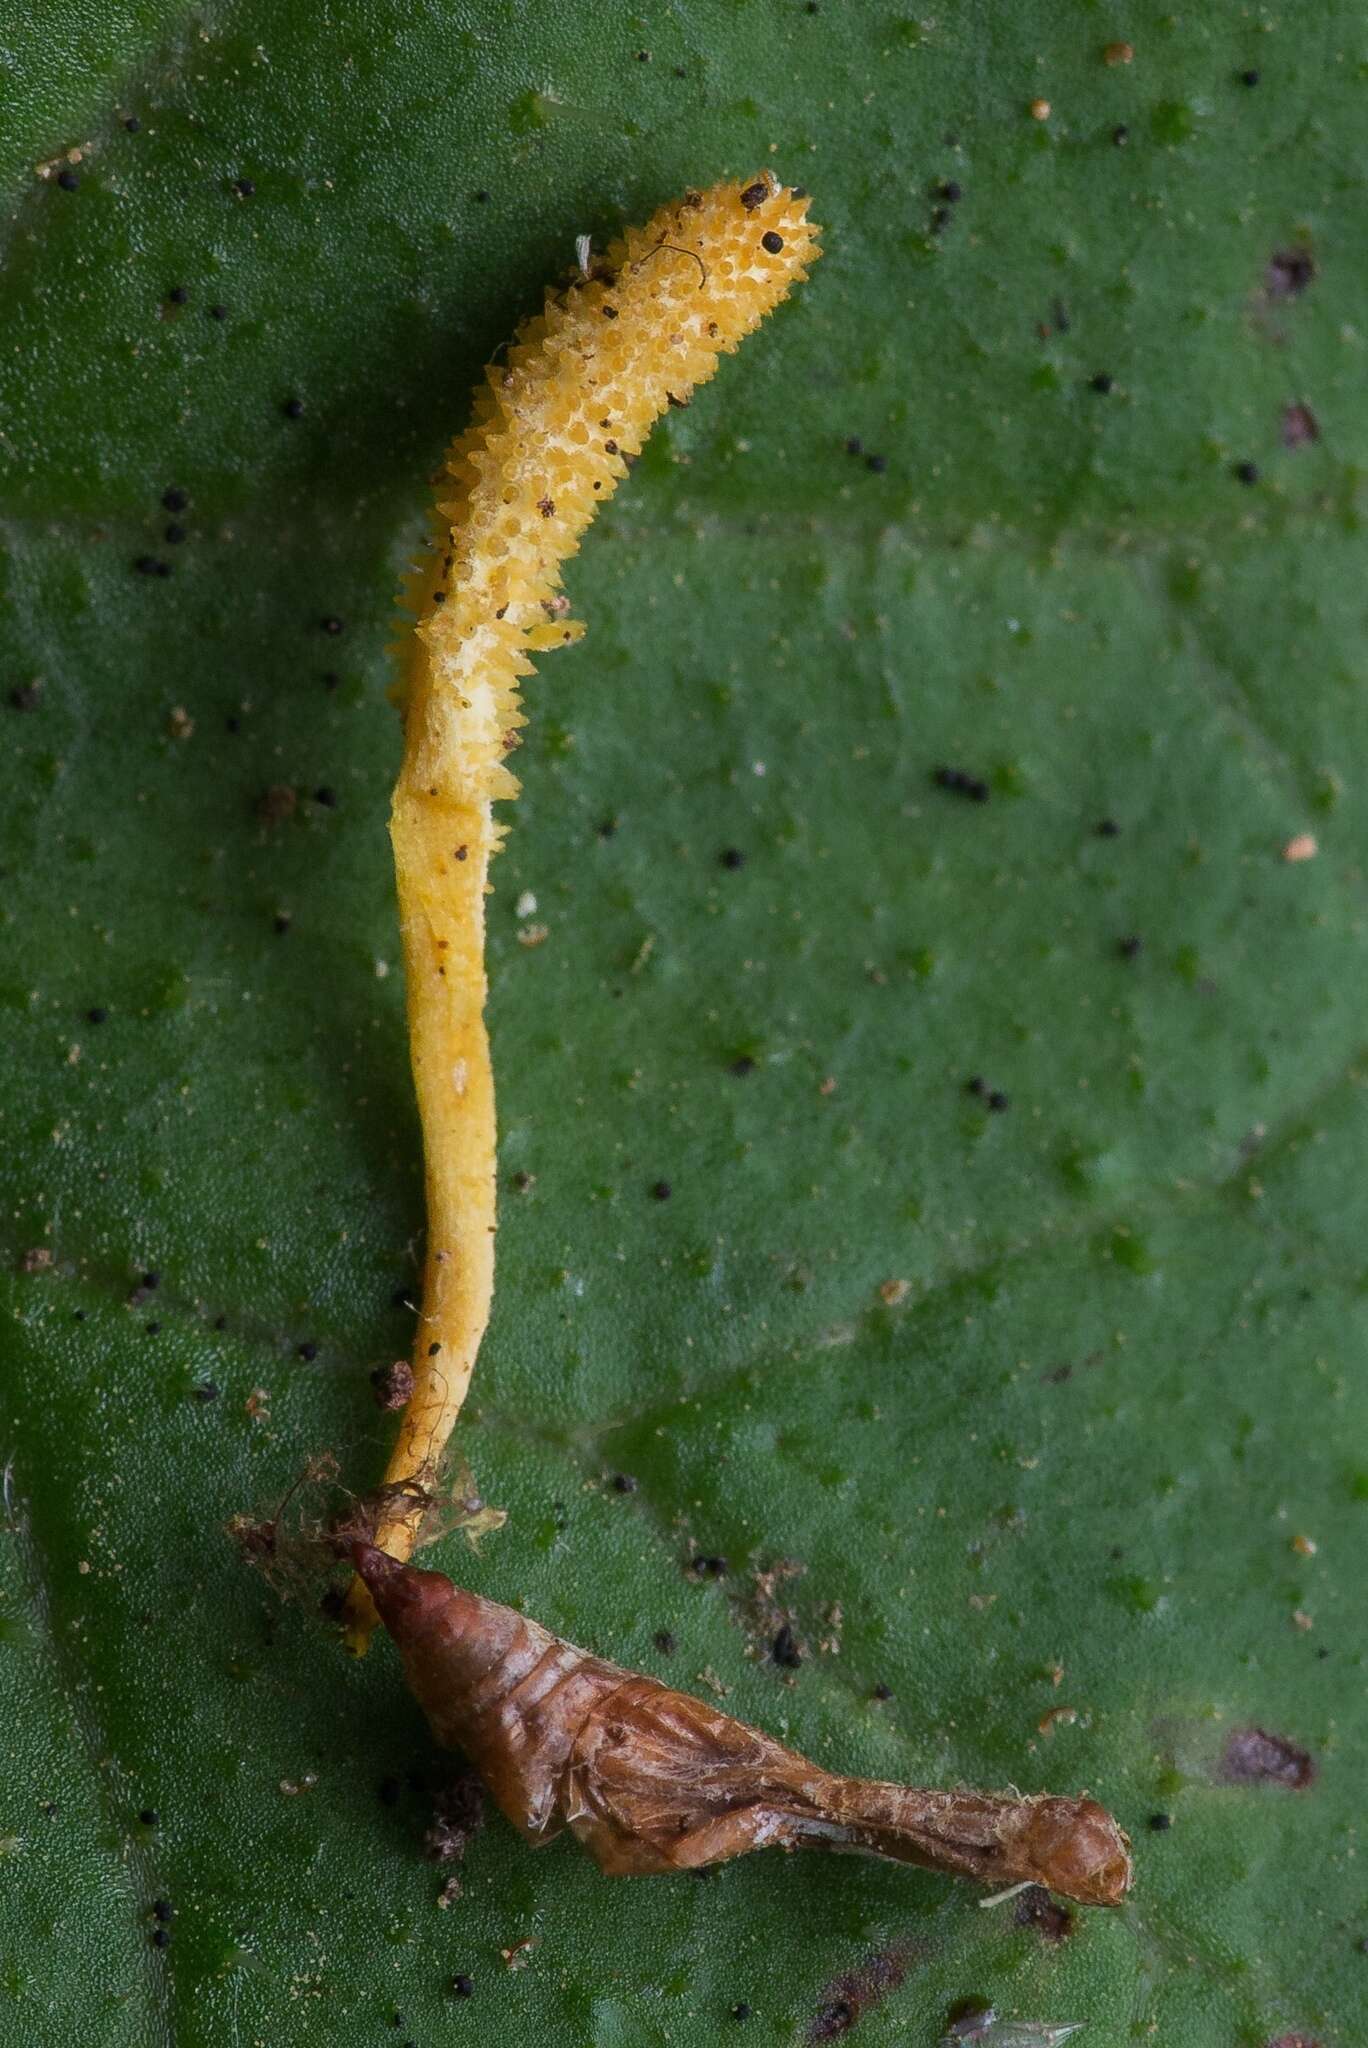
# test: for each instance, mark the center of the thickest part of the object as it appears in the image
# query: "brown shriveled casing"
(653, 1780)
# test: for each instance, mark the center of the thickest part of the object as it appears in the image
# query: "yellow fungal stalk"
(554, 429)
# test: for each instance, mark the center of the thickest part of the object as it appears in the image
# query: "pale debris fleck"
(1301, 847)
(1057, 1717)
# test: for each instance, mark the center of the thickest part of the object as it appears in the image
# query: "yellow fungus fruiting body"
(555, 427)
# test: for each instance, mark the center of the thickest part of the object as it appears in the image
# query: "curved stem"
(555, 428)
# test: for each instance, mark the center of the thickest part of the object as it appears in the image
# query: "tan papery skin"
(652, 1780)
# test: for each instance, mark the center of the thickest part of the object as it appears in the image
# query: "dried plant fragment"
(554, 432)
(653, 1780)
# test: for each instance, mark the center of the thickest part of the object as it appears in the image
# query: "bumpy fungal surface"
(555, 427)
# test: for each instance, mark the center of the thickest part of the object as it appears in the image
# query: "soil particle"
(1035, 1907)
(858, 1992)
(458, 1812)
(276, 803)
(785, 1650)
(1289, 273)
(1254, 1757)
(393, 1384)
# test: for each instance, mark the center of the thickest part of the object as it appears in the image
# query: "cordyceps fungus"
(554, 430)
(649, 1779)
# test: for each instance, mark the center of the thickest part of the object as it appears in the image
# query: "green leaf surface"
(1056, 1412)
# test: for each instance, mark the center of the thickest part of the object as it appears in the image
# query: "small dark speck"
(220, 1322)
(732, 857)
(607, 827)
(331, 679)
(132, 124)
(997, 1101)
(481, 198)
(742, 1067)
(25, 696)
(755, 195)
(175, 499)
(162, 1910)
(326, 796)
(1121, 136)
(232, 724)
(67, 179)
(623, 1482)
(149, 1816)
(972, 786)
(877, 463)
(812, 7)
(1107, 828)
(331, 624)
(280, 923)
(178, 295)
(218, 312)
(151, 1281)
(1159, 1821)
(244, 187)
(740, 2011)
(643, 56)
(1129, 948)
(708, 1567)
(679, 72)
(661, 1190)
(976, 1084)
(1247, 472)
(854, 445)
(462, 1986)
(433, 1349)
(151, 565)
(307, 1351)
(665, 1642)
(1101, 383)
(207, 1390)
(951, 191)
(1289, 273)
(882, 1691)
(293, 408)
(1250, 77)
(784, 1649)
(173, 534)
(98, 1015)
(771, 242)
(161, 1937)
